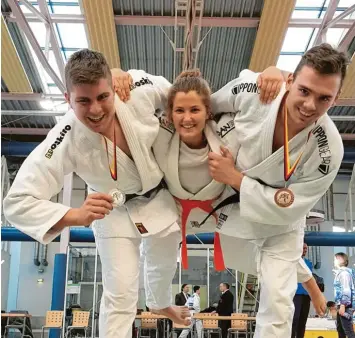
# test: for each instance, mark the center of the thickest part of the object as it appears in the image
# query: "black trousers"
(345, 326)
(224, 325)
(302, 304)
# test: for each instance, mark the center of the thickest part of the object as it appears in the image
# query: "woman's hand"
(269, 83)
(121, 82)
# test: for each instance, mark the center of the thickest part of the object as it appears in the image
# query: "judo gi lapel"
(130, 126)
(271, 159)
(173, 165)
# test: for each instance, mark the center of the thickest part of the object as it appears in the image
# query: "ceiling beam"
(31, 97)
(13, 73)
(271, 33)
(342, 118)
(141, 20)
(348, 90)
(25, 131)
(340, 17)
(33, 113)
(52, 38)
(22, 22)
(328, 16)
(348, 37)
(101, 29)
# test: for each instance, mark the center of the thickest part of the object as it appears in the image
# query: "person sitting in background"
(182, 297)
(344, 294)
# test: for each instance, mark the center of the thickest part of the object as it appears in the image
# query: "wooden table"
(16, 315)
(249, 320)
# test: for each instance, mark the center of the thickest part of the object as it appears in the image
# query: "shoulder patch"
(249, 87)
(57, 141)
(223, 130)
(143, 81)
(323, 149)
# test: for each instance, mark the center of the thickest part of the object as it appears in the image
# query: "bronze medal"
(284, 197)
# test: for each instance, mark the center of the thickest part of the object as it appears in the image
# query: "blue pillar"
(58, 290)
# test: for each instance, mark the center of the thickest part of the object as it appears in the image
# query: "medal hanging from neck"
(284, 197)
(113, 169)
(118, 196)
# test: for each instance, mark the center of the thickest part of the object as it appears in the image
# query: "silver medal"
(119, 197)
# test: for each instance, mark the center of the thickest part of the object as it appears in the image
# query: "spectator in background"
(332, 310)
(225, 308)
(302, 303)
(194, 305)
(344, 293)
(182, 297)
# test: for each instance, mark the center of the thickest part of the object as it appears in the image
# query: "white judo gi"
(257, 229)
(71, 147)
(195, 308)
(167, 150)
(193, 207)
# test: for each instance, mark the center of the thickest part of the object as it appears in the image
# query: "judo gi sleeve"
(27, 205)
(257, 202)
(236, 93)
(158, 96)
(196, 304)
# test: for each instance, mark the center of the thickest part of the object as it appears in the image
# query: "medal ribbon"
(113, 171)
(288, 169)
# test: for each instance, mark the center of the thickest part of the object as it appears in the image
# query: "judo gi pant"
(120, 279)
(198, 326)
(277, 261)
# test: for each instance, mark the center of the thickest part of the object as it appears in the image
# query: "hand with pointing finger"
(222, 168)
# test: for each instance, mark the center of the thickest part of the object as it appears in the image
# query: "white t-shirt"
(193, 168)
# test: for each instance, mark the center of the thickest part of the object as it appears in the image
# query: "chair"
(210, 325)
(80, 321)
(239, 324)
(179, 328)
(54, 320)
(23, 324)
(148, 324)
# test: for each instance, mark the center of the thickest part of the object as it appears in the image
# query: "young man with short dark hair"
(108, 144)
(289, 153)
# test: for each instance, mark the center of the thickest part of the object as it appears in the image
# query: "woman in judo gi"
(188, 134)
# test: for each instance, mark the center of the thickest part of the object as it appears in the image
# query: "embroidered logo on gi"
(323, 148)
(221, 219)
(248, 87)
(141, 228)
(324, 169)
(195, 224)
(142, 82)
(224, 130)
(58, 141)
